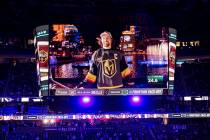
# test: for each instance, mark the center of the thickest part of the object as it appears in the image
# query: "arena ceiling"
(190, 17)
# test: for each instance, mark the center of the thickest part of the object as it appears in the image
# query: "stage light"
(86, 99)
(135, 99)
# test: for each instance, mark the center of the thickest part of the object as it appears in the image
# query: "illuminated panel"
(146, 68)
(172, 58)
(52, 118)
(127, 42)
(42, 50)
(157, 62)
(191, 43)
(43, 65)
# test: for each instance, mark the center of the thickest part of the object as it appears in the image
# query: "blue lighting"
(86, 99)
(135, 101)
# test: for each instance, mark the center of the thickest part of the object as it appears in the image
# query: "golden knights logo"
(43, 56)
(109, 67)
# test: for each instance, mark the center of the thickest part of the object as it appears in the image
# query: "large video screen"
(78, 68)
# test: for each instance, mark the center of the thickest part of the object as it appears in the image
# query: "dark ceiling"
(190, 17)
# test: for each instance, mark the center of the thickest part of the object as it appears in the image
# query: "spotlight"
(135, 99)
(86, 99)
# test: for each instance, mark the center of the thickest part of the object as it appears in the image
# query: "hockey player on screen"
(108, 67)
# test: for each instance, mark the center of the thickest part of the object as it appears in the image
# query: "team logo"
(109, 67)
(43, 56)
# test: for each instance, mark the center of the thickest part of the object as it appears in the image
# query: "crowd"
(126, 129)
(18, 79)
(192, 79)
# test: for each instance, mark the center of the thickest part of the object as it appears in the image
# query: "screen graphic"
(41, 41)
(76, 68)
(172, 58)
